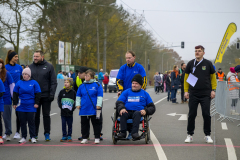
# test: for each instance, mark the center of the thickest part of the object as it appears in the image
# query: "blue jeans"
(100, 81)
(67, 121)
(173, 95)
(7, 117)
(168, 96)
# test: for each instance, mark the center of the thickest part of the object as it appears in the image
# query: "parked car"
(112, 86)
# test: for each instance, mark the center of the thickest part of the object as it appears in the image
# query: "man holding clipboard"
(199, 86)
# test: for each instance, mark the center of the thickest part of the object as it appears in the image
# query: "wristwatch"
(214, 90)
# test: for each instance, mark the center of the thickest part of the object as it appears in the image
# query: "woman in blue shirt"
(8, 85)
(16, 72)
(2, 90)
(27, 94)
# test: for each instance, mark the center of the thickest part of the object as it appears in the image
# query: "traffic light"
(238, 45)
(182, 44)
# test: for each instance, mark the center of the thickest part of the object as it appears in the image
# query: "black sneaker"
(136, 136)
(122, 135)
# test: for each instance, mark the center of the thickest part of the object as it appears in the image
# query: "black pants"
(85, 125)
(193, 105)
(67, 121)
(17, 122)
(136, 116)
(105, 87)
(157, 89)
(1, 127)
(27, 117)
(182, 93)
(45, 104)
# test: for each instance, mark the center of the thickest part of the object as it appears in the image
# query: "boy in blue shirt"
(66, 102)
(28, 93)
(132, 104)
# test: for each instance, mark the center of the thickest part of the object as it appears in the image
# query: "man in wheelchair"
(134, 103)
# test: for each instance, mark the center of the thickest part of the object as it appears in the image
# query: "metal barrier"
(226, 103)
(59, 86)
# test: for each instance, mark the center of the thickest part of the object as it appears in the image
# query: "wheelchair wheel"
(114, 129)
(147, 131)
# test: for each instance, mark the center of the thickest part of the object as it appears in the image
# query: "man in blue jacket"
(132, 104)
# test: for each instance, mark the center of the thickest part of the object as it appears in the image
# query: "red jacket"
(106, 80)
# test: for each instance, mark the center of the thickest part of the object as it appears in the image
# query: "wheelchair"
(145, 127)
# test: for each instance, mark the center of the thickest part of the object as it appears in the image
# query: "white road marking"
(105, 100)
(115, 97)
(182, 118)
(160, 153)
(230, 149)
(160, 100)
(53, 114)
(224, 126)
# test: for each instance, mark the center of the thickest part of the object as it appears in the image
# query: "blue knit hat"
(237, 68)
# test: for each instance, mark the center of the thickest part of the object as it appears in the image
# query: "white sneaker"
(4, 136)
(1, 141)
(235, 113)
(33, 140)
(8, 138)
(84, 141)
(208, 139)
(23, 140)
(97, 141)
(189, 139)
(17, 136)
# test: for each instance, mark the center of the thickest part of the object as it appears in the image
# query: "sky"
(196, 22)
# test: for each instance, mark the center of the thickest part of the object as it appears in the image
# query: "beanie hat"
(232, 69)
(138, 78)
(237, 68)
(27, 71)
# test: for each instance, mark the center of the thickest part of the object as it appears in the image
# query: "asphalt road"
(170, 133)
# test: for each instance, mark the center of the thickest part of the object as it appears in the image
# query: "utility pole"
(127, 41)
(145, 60)
(97, 48)
(105, 49)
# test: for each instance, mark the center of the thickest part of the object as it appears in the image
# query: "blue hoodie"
(9, 85)
(15, 71)
(2, 89)
(95, 91)
(26, 91)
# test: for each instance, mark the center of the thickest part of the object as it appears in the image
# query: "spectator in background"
(182, 75)
(16, 72)
(65, 75)
(105, 81)
(100, 76)
(161, 85)
(60, 75)
(164, 81)
(2, 90)
(220, 75)
(71, 74)
(26, 66)
(168, 85)
(23, 66)
(175, 84)
(157, 82)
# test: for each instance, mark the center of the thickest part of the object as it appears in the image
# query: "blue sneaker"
(129, 136)
(69, 139)
(63, 139)
(47, 137)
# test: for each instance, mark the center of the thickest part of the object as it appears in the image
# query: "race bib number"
(134, 99)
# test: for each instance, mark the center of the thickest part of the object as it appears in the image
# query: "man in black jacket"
(43, 72)
(182, 74)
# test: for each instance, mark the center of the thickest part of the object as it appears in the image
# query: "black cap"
(237, 68)
(219, 68)
(83, 69)
(138, 78)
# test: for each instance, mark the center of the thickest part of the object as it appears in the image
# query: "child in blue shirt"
(66, 102)
(2, 90)
(28, 93)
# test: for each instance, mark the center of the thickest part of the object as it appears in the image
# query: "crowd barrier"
(224, 100)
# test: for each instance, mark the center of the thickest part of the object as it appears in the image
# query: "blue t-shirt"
(60, 76)
(7, 95)
(100, 76)
(127, 73)
(2, 89)
(15, 71)
(26, 91)
(135, 101)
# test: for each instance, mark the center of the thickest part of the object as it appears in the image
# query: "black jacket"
(70, 95)
(45, 75)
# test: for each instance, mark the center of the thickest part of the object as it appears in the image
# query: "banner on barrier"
(61, 53)
(68, 53)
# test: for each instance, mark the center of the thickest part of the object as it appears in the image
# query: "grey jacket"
(157, 80)
(233, 94)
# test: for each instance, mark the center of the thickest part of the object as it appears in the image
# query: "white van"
(112, 86)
